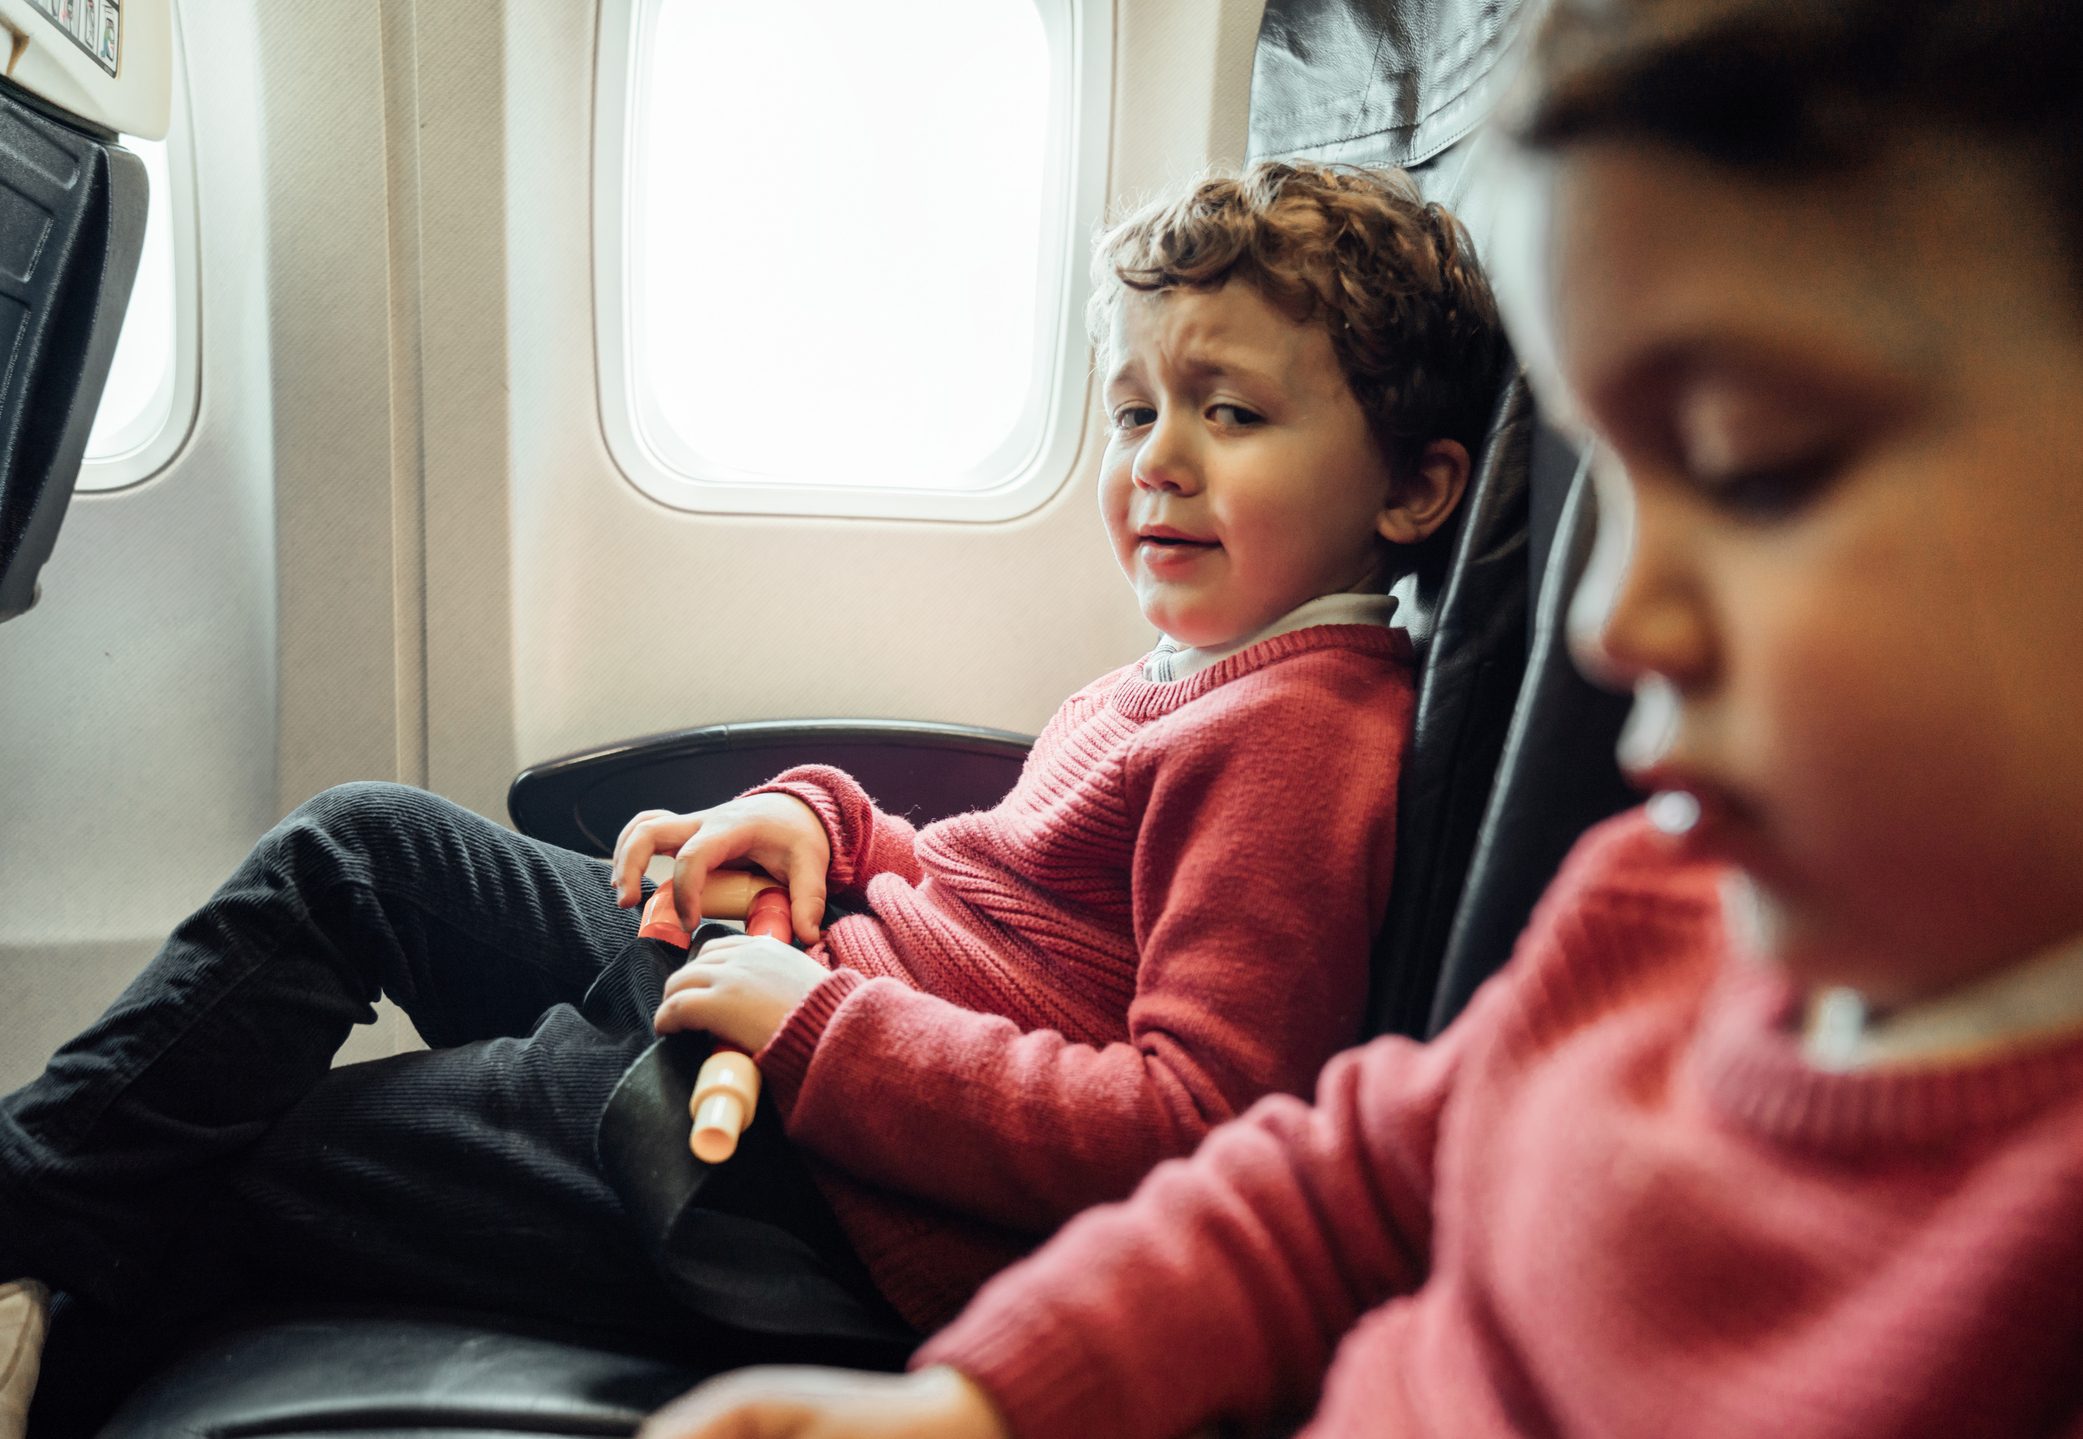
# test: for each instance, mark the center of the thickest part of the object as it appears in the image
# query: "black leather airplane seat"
(1469, 622)
(1409, 82)
(72, 226)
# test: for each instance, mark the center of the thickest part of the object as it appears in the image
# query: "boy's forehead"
(1233, 327)
(1661, 261)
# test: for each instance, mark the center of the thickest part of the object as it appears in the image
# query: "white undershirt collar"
(2037, 999)
(1173, 661)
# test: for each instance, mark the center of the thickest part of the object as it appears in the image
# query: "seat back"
(1394, 82)
(1512, 755)
(1555, 779)
(1467, 617)
(1377, 82)
(72, 225)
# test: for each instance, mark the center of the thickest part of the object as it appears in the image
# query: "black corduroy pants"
(195, 1145)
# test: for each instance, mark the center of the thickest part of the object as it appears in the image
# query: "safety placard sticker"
(96, 26)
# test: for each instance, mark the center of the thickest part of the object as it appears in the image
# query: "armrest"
(922, 770)
(375, 1371)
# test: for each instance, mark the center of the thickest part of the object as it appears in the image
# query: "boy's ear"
(1426, 496)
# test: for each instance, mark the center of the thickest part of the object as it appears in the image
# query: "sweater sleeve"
(865, 840)
(1255, 890)
(1223, 1286)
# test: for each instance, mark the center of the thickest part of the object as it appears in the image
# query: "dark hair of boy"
(1841, 77)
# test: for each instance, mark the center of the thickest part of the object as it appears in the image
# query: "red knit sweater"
(1611, 1200)
(1168, 917)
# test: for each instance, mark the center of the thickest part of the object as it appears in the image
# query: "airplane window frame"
(154, 451)
(1080, 36)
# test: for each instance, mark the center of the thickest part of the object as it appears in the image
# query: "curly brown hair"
(1393, 277)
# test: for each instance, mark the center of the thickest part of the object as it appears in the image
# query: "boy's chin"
(1204, 638)
(1189, 631)
(1819, 948)
(1765, 928)
(1199, 629)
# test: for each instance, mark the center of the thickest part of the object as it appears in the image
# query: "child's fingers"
(715, 848)
(806, 895)
(725, 1413)
(700, 972)
(685, 1008)
(705, 850)
(690, 873)
(707, 1414)
(642, 816)
(799, 1403)
(646, 834)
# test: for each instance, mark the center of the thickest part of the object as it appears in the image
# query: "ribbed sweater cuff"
(1042, 1384)
(785, 1061)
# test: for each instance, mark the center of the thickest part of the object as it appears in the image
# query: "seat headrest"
(72, 226)
(1376, 82)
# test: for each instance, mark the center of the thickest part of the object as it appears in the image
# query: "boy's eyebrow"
(1201, 364)
(1122, 371)
(1204, 362)
(1814, 370)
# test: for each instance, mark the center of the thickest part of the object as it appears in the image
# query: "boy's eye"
(1234, 415)
(1134, 417)
(1772, 491)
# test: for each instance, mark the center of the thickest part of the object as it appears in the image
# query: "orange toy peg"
(726, 1091)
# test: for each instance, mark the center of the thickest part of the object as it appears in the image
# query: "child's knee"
(365, 817)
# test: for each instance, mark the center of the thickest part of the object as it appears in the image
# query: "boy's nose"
(1164, 462)
(1637, 613)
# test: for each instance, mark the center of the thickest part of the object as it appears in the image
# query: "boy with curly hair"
(1035, 1003)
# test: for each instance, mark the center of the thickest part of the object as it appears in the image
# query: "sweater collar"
(1748, 1060)
(1141, 699)
(1174, 661)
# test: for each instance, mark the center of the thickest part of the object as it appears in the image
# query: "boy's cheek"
(1895, 813)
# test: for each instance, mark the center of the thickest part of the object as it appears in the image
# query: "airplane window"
(140, 391)
(150, 398)
(847, 259)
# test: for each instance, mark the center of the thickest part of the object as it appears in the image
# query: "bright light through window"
(843, 267)
(139, 398)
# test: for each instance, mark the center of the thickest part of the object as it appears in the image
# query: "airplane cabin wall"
(395, 545)
(138, 731)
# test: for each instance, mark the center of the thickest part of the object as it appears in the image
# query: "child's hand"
(777, 832)
(739, 988)
(935, 1403)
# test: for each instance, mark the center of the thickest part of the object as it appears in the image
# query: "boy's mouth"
(1173, 539)
(1167, 554)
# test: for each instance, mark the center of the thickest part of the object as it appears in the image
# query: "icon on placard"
(96, 26)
